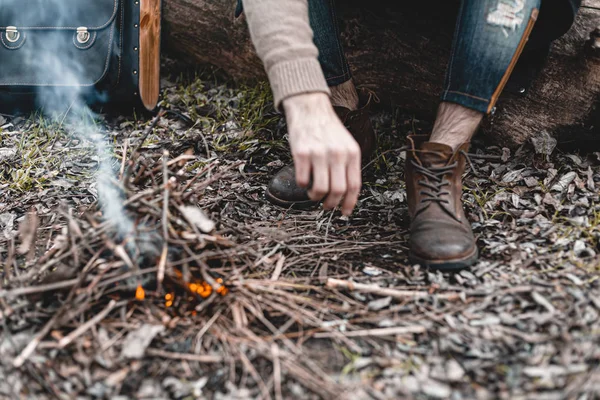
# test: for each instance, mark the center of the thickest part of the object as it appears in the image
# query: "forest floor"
(215, 293)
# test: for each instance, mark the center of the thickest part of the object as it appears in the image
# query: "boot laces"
(436, 183)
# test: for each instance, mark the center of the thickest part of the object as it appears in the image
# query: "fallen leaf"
(564, 182)
(198, 218)
(379, 304)
(512, 176)
(505, 154)
(7, 223)
(530, 181)
(28, 233)
(543, 143)
(7, 154)
(436, 390)
(454, 371)
(136, 342)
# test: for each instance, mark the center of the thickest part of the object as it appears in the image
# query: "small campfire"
(182, 268)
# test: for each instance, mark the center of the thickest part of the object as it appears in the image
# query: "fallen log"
(401, 52)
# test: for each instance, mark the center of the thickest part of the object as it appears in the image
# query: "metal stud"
(83, 35)
(12, 34)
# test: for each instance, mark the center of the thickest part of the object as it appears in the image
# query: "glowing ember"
(200, 288)
(169, 299)
(222, 290)
(204, 290)
(140, 294)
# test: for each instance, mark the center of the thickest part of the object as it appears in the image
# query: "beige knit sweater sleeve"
(283, 38)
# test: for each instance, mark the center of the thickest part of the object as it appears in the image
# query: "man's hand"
(321, 145)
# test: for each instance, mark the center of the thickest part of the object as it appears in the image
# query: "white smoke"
(66, 103)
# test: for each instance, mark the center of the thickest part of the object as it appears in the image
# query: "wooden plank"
(150, 30)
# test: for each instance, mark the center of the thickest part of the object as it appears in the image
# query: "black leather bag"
(52, 47)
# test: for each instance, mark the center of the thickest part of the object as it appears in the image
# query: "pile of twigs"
(210, 292)
(175, 269)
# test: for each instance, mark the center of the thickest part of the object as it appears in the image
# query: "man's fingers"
(302, 167)
(337, 184)
(320, 172)
(354, 180)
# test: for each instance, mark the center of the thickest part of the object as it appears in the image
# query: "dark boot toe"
(283, 190)
(436, 243)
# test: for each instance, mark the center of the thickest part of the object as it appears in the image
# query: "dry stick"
(67, 340)
(197, 176)
(45, 287)
(37, 289)
(312, 380)
(397, 294)
(135, 153)
(204, 271)
(285, 340)
(128, 275)
(278, 268)
(257, 378)
(215, 178)
(72, 238)
(32, 272)
(206, 359)
(122, 170)
(182, 157)
(485, 157)
(160, 275)
(205, 329)
(10, 260)
(276, 371)
(397, 330)
(31, 346)
(140, 172)
(269, 254)
(400, 150)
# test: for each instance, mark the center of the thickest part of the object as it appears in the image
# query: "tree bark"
(401, 52)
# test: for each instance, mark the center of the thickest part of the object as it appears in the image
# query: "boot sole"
(296, 205)
(446, 265)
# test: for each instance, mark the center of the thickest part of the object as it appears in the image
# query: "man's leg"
(489, 39)
(350, 106)
(325, 24)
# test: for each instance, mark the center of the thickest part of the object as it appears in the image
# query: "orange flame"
(169, 297)
(222, 290)
(204, 289)
(140, 294)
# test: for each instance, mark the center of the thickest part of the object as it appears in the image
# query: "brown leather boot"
(440, 237)
(283, 190)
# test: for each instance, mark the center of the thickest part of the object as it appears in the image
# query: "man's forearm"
(283, 39)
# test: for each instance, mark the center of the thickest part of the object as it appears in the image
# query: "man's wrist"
(306, 103)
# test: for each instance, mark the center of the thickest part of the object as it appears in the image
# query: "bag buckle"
(12, 34)
(83, 35)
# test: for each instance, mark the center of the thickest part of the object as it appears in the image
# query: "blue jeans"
(488, 40)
